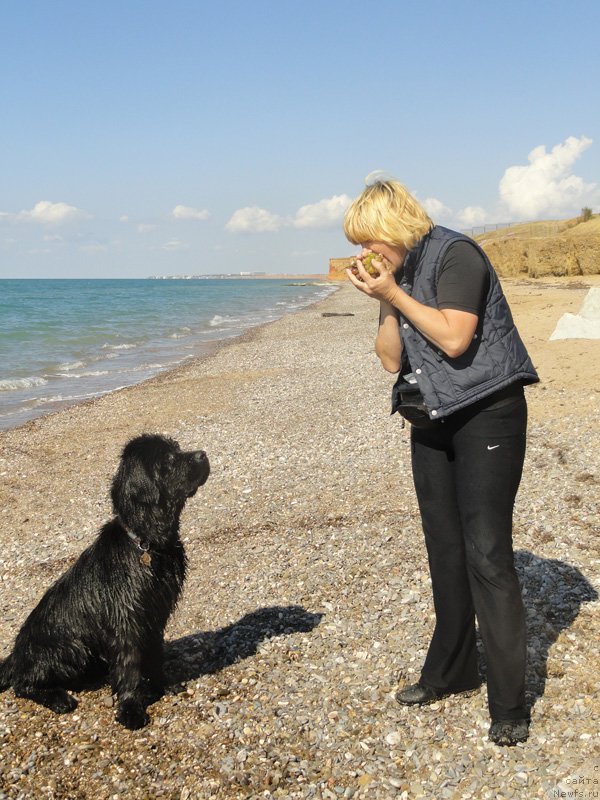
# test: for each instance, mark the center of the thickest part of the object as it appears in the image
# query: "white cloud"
(48, 213)
(546, 186)
(472, 216)
(145, 227)
(124, 218)
(435, 208)
(324, 214)
(175, 244)
(254, 220)
(185, 212)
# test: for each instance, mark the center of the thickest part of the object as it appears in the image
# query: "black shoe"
(416, 695)
(509, 732)
(420, 695)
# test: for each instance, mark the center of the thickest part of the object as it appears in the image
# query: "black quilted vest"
(496, 356)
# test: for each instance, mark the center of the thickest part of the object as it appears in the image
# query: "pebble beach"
(307, 602)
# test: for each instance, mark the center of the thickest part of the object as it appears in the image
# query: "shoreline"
(307, 598)
(204, 349)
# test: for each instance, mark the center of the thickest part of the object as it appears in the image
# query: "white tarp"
(586, 324)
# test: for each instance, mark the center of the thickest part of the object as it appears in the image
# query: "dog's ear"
(132, 487)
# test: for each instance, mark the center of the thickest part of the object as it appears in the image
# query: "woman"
(446, 328)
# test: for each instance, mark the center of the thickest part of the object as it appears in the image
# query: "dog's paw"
(132, 715)
(153, 693)
(62, 703)
(56, 700)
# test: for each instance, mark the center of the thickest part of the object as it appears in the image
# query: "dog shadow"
(553, 593)
(205, 653)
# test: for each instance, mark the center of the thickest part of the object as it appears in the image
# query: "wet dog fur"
(105, 616)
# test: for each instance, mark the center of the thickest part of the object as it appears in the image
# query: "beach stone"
(307, 600)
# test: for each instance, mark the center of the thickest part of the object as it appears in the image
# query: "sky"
(171, 137)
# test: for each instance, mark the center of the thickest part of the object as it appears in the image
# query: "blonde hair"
(386, 212)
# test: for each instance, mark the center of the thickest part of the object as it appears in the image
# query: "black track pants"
(466, 472)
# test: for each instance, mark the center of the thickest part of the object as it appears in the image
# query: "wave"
(108, 346)
(90, 374)
(74, 365)
(12, 384)
(68, 398)
(218, 321)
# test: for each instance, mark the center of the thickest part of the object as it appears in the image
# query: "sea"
(65, 341)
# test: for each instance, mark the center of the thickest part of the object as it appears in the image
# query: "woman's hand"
(383, 287)
(450, 330)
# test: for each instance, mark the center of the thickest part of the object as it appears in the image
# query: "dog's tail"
(6, 676)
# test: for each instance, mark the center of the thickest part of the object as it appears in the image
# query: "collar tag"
(145, 558)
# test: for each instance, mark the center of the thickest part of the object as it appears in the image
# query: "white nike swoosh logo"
(494, 447)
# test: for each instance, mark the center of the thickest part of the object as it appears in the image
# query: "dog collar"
(145, 558)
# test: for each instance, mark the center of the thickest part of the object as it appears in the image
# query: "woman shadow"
(205, 653)
(553, 593)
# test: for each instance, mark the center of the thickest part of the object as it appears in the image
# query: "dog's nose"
(200, 456)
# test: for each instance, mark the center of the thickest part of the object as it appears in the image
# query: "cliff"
(337, 267)
(531, 249)
(568, 247)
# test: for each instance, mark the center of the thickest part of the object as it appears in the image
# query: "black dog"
(107, 614)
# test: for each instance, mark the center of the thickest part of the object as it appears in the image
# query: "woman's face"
(395, 253)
